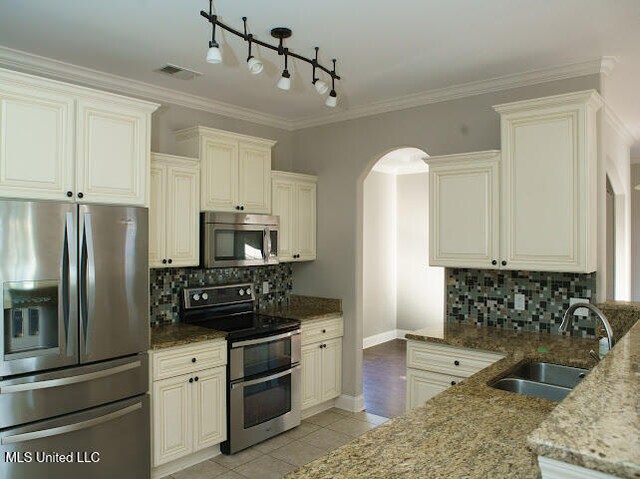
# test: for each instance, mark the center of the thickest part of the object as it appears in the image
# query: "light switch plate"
(265, 287)
(584, 312)
(518, 301)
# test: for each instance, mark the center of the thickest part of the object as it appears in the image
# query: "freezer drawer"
(33, 398)
(116, 436)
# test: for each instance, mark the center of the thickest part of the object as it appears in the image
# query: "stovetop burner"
(231, 309)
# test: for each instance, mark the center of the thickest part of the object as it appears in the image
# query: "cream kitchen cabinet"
(531, 206)
(464, 210)
(174, 210)
(68, 143)
(188, 404)
(432, 368)
(235, 169)
(549, 183)
(321, 362)
(294, 201)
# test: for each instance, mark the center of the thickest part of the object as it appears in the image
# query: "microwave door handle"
(266, 244)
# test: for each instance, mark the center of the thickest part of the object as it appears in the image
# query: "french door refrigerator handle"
(68, 252)
(56, 431)
(87, 280)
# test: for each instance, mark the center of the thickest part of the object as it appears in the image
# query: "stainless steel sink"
(532, 388)
(543, 380)
(548, 373)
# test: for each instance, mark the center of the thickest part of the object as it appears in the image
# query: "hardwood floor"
(383, 378)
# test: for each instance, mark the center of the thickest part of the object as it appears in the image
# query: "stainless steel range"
(263, 369)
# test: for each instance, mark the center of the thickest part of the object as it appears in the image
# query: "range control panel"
(218, 295)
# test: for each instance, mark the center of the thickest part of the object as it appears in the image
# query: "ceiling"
(385, 50)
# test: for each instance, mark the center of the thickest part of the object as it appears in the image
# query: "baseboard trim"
(383, 337)
(350, 403)
(172, 467)
(318, 408)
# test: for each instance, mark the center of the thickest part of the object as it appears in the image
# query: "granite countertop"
(598, 425)
(180, 334)
(303, 308)
(471, 430)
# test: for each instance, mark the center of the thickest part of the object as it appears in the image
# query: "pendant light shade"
(285, 81)
(214, 55)
(255, 65)
(321, 87)
(332, 99)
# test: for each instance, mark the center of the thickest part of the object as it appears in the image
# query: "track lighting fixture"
(332, 99)
(256, 66)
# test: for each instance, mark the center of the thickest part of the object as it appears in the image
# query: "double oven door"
(264, 389)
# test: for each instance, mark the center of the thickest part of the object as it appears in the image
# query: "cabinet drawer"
(187, 359)
(321, 329)
(448, 360)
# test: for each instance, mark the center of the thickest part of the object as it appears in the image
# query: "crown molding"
(614, 120)
(35, 64)
(601, 66)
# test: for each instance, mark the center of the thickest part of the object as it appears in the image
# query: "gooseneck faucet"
(567, 320)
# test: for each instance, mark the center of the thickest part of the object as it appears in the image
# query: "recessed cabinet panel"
(284, 208)
(311, 361)
(331, 368)
(463, 210)
(210, 425)
(36, 144)
(219, 175)
(183, 212)
(255, 179)
(306, 221)
(112, 153)
(172, 407)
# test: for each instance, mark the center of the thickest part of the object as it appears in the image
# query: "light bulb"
(214, 55)
(332, 99)
(285, 81)
(255, 65)
(321, 87)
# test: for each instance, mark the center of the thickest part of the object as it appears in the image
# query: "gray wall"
(169, 118)
(341, 154)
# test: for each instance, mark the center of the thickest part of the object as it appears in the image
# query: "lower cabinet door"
(331, 368)
(172, 419)
(210, 410)
(311, 361)
(423, 385)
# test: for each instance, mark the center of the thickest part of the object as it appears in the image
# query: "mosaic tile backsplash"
(486, 298)
(167, 284)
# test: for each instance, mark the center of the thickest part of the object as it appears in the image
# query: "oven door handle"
(267, 339)
(265, 379)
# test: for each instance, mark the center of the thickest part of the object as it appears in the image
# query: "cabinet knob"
(324, 330)
(164, 261)
(237, 207)
(494, 262)
(242, 208)
(456, 362)
(196, 378)
(170, 261)
(503, 263)
(80, 194)
(193, 360)
(190, 380)
(453, 383)
(69, 194)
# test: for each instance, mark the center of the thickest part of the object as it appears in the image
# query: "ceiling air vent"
(178, 72)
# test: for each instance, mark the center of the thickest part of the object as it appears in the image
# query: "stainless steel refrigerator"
(73, 362)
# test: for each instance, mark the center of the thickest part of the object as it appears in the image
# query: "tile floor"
(276, 457)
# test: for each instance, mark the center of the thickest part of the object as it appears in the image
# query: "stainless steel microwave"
(238, 239)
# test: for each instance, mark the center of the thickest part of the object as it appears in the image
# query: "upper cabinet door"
(183, 192)
(112, 153)
(157, 215)
(549, 185)
(464, 210)
(306, 221)
(255, 178)
(36, 143)
(283, 206)
(219, 183)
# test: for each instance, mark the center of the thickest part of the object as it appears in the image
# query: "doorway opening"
(400, 291)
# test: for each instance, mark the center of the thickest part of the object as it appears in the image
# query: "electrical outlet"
(265, 287)
(518, 301)
(584, 312)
